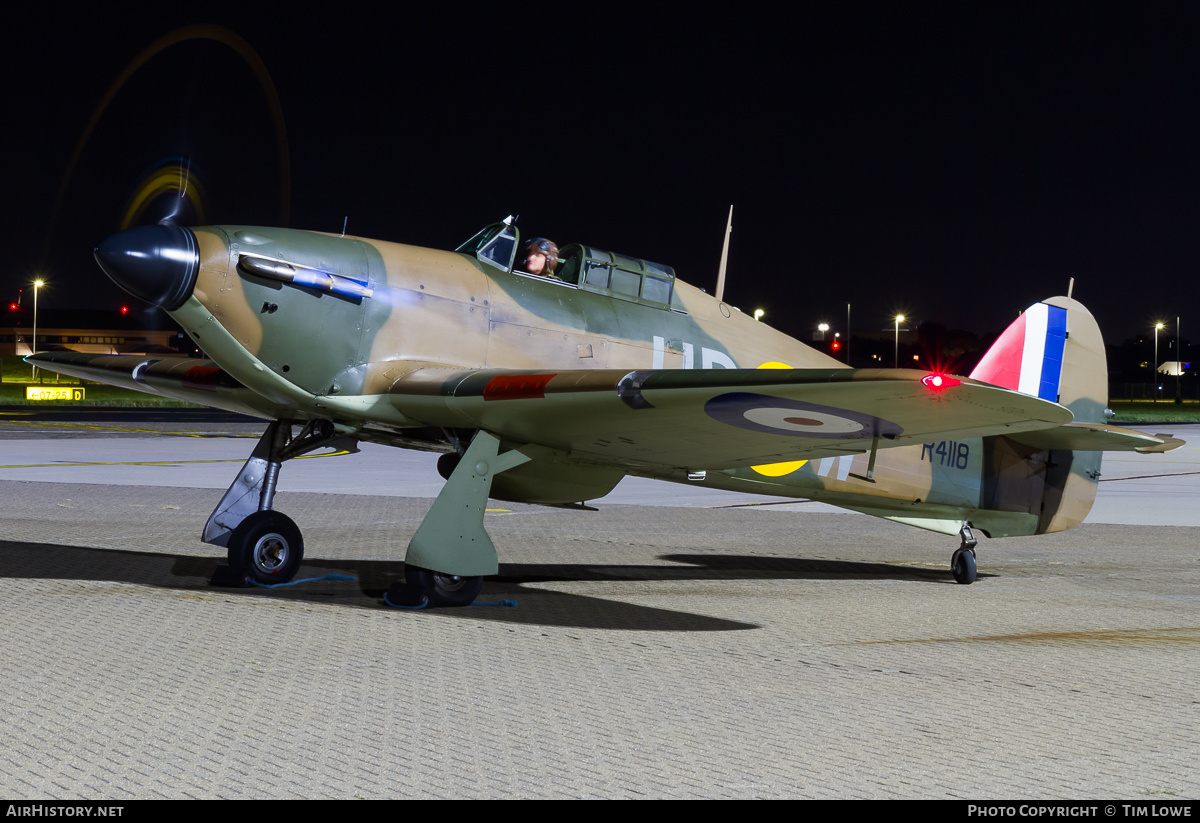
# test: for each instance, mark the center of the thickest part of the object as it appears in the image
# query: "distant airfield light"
(37, 284)
(758, 314)
(822, 327)
(1159, 326)
(899, 320)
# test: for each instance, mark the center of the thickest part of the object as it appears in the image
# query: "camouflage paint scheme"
(593, 378)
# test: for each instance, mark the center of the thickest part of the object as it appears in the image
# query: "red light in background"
(124, 310)
(940, 382)
(836, 345)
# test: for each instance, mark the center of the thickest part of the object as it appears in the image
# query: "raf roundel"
(778, 415)
(808, 422)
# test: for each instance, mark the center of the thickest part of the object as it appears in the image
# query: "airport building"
(93, 331)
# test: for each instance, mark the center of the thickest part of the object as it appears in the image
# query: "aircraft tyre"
(447, 463)
(962, 566)
(266, 548)
(442, 589)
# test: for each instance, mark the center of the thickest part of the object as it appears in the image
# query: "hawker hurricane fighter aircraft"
(550, 387)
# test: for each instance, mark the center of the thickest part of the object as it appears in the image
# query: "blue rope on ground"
(424, 602)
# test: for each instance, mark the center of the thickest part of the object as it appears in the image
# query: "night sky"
(951, 163)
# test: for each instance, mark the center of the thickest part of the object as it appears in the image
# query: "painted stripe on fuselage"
(517, 387)
(843, 466)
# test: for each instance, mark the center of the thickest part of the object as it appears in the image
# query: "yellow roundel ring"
(777, 469)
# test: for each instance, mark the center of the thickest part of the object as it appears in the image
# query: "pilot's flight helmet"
(546, 247)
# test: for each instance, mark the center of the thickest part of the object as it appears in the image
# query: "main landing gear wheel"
(266, 547)
(962, 566)
(423, 588)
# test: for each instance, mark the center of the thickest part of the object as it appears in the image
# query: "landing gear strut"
(451, 551)
(265, 546)
(447, 557)
(962, 562)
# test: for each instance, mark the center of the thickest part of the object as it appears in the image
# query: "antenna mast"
(720, 293)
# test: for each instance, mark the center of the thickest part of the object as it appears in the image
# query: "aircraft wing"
(718, 418)
(684, 418)
(179, 378)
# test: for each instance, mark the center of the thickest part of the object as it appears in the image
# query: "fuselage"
(429, 306)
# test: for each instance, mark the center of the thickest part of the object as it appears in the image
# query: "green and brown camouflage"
(612, 366)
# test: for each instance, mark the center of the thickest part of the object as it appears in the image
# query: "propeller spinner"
(156, 263)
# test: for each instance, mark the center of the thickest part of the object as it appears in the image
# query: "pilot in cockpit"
(539, 256)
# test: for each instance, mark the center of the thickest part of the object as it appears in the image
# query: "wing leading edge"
(179, 378)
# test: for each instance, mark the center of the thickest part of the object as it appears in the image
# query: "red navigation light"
(940, 382)
(835, 345)
(124, 310)
(12, 306)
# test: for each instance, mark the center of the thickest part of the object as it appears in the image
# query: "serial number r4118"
(950, 453)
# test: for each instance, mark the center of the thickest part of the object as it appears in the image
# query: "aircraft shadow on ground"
(516, 581)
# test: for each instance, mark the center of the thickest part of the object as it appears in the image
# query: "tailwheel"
(962, 562)
(423, 588)
(962, 566)
(266, 547)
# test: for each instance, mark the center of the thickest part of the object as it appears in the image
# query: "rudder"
(1055, 351)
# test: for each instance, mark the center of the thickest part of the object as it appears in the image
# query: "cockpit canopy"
(585, 267)
(495, 245)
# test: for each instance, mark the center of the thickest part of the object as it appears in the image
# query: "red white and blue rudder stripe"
(1028, 356)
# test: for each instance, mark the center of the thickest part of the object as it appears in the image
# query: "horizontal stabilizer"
(1168, 443)
(1097, 437)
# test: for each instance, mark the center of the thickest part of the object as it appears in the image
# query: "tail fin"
(1053, 351)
